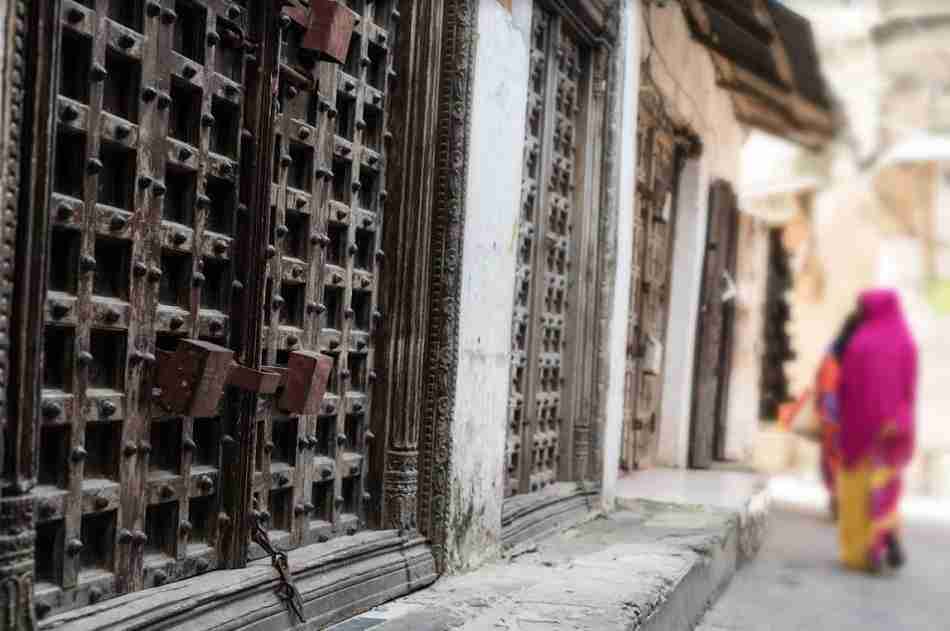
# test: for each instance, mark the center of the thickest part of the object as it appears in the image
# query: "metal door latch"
(329, 26)
(191, 379)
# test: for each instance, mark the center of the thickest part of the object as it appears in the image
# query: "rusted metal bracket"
(191, 379)
(329, 26)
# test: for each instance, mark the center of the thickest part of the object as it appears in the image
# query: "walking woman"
(877, 394)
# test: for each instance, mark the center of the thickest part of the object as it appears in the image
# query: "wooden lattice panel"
(542, 284)
(327, 212)
(144, 213)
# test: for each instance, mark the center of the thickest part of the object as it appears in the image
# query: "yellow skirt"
(867, 512)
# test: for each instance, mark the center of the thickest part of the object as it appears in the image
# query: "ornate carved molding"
(459, 27)
(400, 391)
(23, 113)
(607, 230)
(17, 540)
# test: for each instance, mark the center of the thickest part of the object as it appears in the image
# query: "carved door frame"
(415, 391)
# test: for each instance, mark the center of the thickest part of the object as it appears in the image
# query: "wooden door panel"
(710, 369)
(540, 388)
(145, 225)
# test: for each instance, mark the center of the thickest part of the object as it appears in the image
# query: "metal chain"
(286, 591)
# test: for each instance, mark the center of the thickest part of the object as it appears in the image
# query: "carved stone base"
(17, 542)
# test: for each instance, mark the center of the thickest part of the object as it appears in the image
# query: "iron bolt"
(59, 310)
(107, 408)
(51, 409)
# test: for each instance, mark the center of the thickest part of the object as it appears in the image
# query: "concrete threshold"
(655, 563)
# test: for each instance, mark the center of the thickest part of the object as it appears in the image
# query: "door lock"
(191, 379)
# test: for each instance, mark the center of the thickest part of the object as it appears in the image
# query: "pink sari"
(877, 395)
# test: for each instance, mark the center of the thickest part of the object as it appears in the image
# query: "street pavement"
(796, 582)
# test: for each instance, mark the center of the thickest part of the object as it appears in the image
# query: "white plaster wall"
(488, 269)
(617, 331)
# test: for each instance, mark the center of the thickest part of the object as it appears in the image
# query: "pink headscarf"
(879, 382)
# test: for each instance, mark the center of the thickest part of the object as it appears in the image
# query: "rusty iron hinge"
(191, 379)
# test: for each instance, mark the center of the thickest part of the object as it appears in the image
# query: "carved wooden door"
(540, 387)
(159, 133)
(146, 233)
(327, 200)
(713, 340)
(654, 217)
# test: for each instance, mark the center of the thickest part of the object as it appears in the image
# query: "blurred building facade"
(872, 209)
